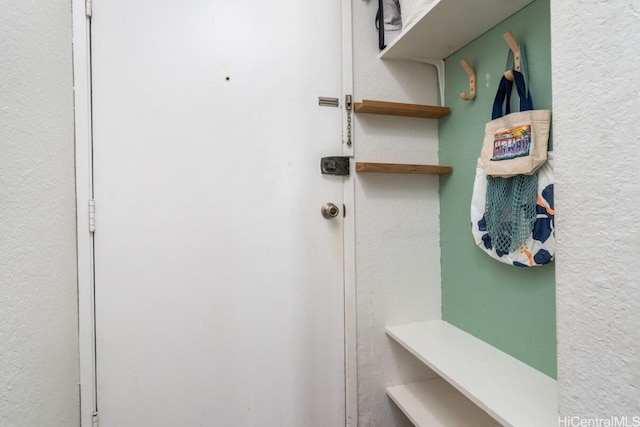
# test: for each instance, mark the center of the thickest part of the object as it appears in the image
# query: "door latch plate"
(336, 165)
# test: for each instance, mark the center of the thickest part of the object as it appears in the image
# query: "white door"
(219, 286)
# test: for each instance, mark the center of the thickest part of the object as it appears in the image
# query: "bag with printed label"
(540, 246)
(515, 143)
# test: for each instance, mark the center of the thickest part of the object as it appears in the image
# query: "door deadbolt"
(329, 210)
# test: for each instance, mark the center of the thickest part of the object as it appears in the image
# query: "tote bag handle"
(504, 94)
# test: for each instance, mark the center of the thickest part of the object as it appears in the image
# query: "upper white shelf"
(510, 391)
(449, 25)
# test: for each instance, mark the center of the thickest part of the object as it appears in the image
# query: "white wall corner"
(397, 222)
(38, 294)
(596, 134)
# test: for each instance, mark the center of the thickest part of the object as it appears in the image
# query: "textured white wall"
(596, 134)
(596, 128)
(397, 222)
(38, 308)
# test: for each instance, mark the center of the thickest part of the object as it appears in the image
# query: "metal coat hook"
(515, 48)
(472, 81)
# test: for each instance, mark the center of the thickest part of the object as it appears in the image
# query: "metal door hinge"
(92, 215)
(337, 165)
(88, 7)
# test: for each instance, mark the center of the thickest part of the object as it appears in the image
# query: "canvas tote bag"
(515, 143)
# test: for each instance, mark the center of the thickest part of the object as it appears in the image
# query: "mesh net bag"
(510, 210)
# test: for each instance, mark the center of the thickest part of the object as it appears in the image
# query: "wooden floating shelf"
(399, 109)
(512, 392)
(402, 168)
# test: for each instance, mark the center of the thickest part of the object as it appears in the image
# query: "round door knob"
(329, 210)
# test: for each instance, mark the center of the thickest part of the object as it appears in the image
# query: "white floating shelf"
(512, 392)
(449, 25)
(435, 403)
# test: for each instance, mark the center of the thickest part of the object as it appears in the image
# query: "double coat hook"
(515, 49)
(472, 81)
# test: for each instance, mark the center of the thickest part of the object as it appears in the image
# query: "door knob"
(329, 210)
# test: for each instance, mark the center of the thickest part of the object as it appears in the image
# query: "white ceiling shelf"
(447, 26)
(512, 392)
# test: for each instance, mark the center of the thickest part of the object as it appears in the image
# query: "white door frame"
(84, 193)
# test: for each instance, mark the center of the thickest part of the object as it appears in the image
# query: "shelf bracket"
(472, 80)
(439, 64)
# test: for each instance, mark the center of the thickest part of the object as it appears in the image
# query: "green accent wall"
(509, 307)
